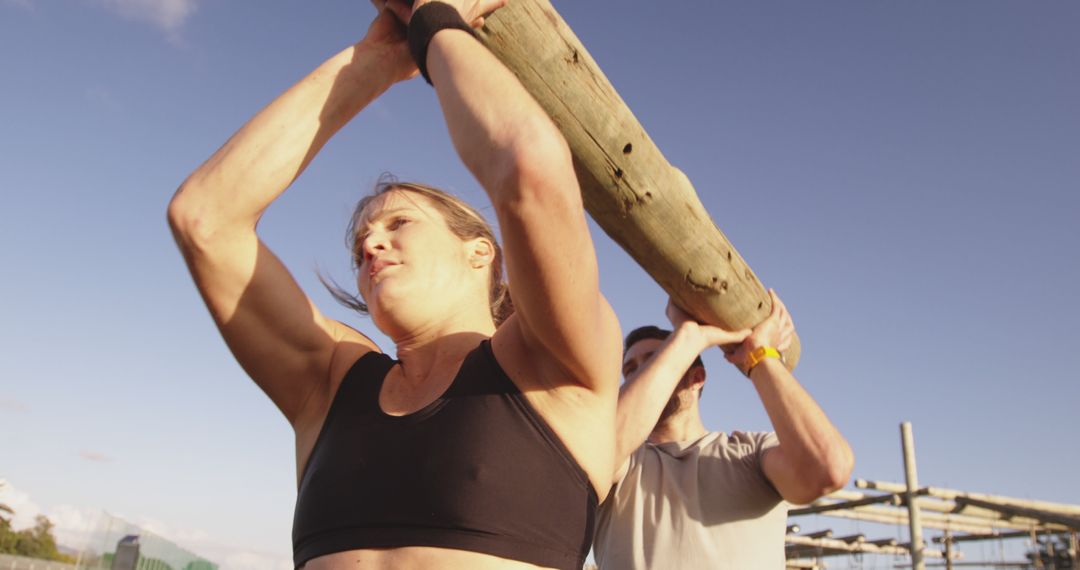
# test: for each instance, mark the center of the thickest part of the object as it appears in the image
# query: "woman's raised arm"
(276, 333)
(523, 162)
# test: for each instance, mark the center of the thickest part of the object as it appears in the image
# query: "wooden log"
(853, 538)
(978, 564)
(1010, 510)
(818, 552)
(980, 537)
(819, 534)
(793, 528)
(847, 495)
(952, 494)
(885, 486)
(968, 510)
(647, 206)
(933, 553)
(944, 506)
(824, 506)
(946, 519)
(803, 546)
(956, 523)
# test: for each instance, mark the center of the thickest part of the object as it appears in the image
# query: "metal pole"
(1036, 549)
(912, 479)
(948, 550)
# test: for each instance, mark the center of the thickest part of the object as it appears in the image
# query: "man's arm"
(643, 397)
(813, 459)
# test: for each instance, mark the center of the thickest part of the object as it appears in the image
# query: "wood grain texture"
(646, 205)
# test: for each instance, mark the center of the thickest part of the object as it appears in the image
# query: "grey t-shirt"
(702, 504)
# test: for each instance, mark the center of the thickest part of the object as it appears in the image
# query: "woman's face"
(411, 267)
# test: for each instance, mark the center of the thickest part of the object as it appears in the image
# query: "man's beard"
(674, 404)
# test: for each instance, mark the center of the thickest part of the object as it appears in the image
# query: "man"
(688, 498)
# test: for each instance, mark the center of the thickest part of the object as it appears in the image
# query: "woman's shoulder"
(351, 346)
(352, 351)
(346, 336)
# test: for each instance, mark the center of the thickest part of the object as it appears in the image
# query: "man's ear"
(481, 252)
(697, 376)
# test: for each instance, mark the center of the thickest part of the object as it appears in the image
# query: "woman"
(481, 446)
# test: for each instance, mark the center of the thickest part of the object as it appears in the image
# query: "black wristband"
(427, 21)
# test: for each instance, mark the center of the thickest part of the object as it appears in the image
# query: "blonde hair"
(462, 219)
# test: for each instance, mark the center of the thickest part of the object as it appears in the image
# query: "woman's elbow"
(188, 219)
(182, 211)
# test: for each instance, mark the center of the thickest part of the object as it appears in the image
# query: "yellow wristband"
(759, 354)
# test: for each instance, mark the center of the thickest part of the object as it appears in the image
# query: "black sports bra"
(477, 470)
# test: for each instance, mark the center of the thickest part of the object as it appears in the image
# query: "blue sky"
(904, 174)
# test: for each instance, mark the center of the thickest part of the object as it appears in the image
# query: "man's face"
(634, 361)
(637, 355)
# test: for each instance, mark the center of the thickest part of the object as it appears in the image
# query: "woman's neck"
(437, 345)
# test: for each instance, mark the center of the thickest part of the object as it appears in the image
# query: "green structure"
(116, 544)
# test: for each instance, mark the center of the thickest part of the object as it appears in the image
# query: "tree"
(5, 511)
(35, 542)
(38, 541)
(7, 537)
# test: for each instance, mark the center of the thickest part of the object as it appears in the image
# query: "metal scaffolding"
(958, 517)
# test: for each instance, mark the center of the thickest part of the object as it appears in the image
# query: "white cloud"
(228, 557)
(73, 526)
(12, 405)
(25, 509)
(169, 15)
(180, 536)
(95, 456)
(203, 544)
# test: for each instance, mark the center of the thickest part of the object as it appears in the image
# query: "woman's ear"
(481, 252)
